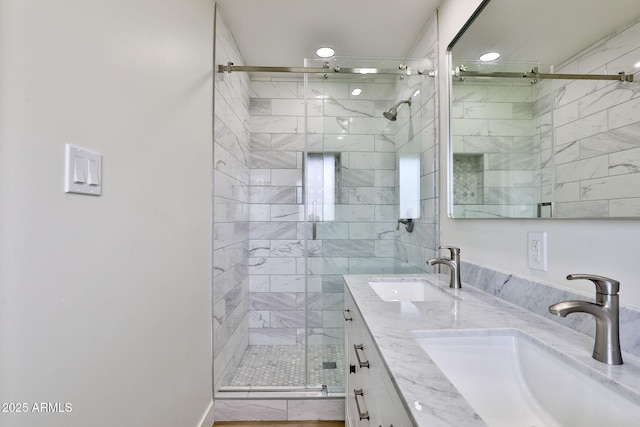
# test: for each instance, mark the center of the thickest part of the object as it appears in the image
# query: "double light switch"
(83, 171)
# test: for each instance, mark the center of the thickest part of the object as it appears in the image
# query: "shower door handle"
(314, 221)
(362, 415)
(362, 364)
(314, 228)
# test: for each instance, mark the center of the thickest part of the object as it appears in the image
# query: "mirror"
(550, 128)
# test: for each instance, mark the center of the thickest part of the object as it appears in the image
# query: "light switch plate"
(537, 250)
(83, 171)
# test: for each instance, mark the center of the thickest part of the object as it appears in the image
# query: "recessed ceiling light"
(356, 92)
(325, 52)
(637, 65)
(489, 56)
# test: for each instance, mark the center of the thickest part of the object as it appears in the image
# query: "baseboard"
(208, 416)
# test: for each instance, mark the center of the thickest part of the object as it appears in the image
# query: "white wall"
(105, 301)
(604, 247)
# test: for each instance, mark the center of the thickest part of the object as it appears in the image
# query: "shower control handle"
(362, 364)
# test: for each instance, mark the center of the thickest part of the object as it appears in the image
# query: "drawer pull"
(362, 364)
(352, 369)
(362, 415)
(344, 314)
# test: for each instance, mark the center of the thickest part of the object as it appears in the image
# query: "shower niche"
(468, 170)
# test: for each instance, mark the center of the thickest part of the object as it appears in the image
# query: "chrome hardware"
(545, 204)
(344, 314)
(453, 263)
(362, 364)
(409, 223)
(624, 77)
(362, 415)
(461, 71)
(325, 69)
(606, 310)
(314, 221)
(315, 229)
(352, 369)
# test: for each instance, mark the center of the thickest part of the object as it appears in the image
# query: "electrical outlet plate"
(537, 250)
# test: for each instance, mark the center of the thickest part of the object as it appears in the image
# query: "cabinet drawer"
(372, 400)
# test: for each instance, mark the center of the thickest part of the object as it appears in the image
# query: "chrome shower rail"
(462, 72)
(400, 71)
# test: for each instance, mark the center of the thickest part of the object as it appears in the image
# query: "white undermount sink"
(409, 290)
(511, 379)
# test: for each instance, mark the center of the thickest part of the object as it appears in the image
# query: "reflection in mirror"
(531, 137)
(501, 138)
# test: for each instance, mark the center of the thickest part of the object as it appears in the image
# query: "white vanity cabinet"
(372, 400)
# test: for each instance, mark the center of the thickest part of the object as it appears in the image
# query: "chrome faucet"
(453, 263)
(606, 311)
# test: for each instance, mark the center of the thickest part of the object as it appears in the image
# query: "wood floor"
(279, 423)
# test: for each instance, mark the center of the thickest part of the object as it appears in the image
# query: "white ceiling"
(284, 32)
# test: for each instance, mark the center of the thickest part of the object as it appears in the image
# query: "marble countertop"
(428, 395)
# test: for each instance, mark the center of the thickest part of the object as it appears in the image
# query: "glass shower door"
(325, 335)
(351, 193)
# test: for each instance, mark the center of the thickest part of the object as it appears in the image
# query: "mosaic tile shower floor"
(283, 365)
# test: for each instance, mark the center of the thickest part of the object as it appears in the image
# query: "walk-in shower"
(323, 203)
(307, 188)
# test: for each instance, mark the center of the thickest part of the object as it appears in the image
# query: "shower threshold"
(263, 392)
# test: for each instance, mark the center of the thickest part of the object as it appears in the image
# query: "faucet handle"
(604, 285)
(454, 250)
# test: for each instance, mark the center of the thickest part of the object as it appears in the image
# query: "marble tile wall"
(330, 409)
(499, 120)
(597, 132)
(419, 136)
(537, 297)
(230, 210)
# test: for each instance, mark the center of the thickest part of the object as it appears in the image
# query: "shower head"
(392, 113)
